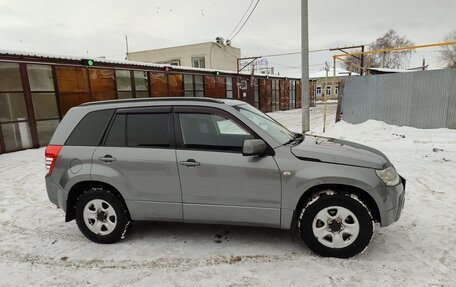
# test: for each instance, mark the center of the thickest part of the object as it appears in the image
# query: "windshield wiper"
(298, 138)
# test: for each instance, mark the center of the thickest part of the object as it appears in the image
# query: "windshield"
(266, 123)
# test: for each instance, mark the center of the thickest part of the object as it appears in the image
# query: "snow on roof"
(126, 62)
(387, 70)
(339, 72)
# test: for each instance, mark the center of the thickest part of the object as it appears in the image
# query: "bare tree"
(392, 60)
(448, 53)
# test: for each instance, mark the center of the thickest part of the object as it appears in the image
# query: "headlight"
(389, 176)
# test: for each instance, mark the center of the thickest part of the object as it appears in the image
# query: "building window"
(175, 85)
(123, 83)
(198, 62)
(275, 95)
(199, 86)
(159, 84)
(73, 87)
(336, 92)
(229, 87)
(141, 84)
(318, 91)
(188, 86)
(193, 86)
(102, 84)
(256, 94)
(44, 101)
(292, 103)
(215, 86)
(173, 62)
(13, 112)
(328, 90)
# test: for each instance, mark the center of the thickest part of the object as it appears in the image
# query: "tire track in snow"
(11, 229)
(160, 263)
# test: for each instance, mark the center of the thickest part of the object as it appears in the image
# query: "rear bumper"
(55, 194)
(396, 198)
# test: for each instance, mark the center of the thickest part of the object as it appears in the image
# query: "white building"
(211, 55)
(319, 86)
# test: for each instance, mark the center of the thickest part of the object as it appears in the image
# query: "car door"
(138, 157)
(219, 184)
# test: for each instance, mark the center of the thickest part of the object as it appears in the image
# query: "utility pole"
(361, 70)
(305, 66)
(126, 44)
(325, 94)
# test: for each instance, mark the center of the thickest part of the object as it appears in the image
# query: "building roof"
(339, 73)
(387, 70)
(181, 46)
(16, 53)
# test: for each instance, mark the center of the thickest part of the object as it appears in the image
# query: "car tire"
(336, 225)
(101, 216)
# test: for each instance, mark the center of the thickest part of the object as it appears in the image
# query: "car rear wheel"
(336, 225)
(101, 216)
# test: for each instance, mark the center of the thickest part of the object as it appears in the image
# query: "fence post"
(340, 97)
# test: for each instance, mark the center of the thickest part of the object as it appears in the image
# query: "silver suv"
(216, 161)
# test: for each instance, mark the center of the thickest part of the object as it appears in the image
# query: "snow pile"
(38, 248)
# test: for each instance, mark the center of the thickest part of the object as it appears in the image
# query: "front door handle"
(107, 158)
(190, 162)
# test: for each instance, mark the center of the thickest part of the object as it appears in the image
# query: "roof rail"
(136, 100)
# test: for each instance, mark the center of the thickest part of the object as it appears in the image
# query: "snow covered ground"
(38, 248)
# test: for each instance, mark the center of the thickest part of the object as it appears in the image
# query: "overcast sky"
(98, 28)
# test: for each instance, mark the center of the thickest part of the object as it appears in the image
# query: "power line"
(293, 67)
(256, 4)
(242, 18)
(291, 53)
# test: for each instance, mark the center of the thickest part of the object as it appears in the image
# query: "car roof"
(195, 100)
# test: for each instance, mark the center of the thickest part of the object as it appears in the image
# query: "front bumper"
(396, 198)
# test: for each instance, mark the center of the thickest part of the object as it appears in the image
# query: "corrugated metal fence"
(425, 99)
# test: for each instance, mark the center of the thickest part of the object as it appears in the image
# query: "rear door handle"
(107, 158)
(190, 163)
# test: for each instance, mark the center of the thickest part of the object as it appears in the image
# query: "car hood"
(330, 150)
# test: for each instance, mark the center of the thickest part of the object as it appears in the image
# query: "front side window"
(139, 130)
(270, 126)
(212, 132)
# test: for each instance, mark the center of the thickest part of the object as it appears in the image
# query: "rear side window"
(117, 135)
(90, 129)
(140, 130)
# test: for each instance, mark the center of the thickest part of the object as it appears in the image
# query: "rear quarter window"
(90, 129)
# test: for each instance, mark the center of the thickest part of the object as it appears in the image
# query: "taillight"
(51, 153)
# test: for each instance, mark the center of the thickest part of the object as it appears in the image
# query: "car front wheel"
(336, 225)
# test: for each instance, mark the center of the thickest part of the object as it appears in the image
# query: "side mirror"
(253, 147)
